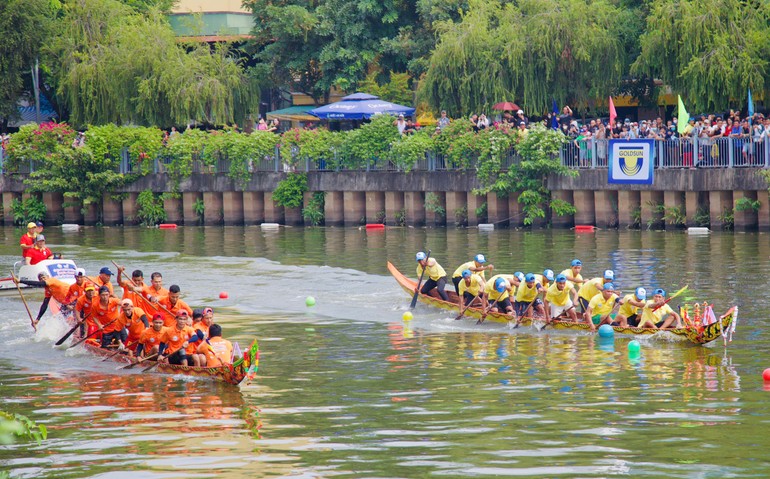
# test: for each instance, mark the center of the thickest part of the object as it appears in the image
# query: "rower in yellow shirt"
(545, 279)
(658, 314)
(527, 297)
(560, 299)
(601, 306)
(476, 266)
(630, 307)
(592, 287)
(498, 293)
(436, 275)
(470, 286)
(573, 273)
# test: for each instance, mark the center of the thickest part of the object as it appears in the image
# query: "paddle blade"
(66, 336)
(682, 290)
(414, 301)
(150, 367)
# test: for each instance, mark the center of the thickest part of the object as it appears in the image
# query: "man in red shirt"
(27, 240)
(39, 252)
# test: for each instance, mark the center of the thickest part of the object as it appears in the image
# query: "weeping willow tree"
(531, 52)
(709, 51)
(111, 64)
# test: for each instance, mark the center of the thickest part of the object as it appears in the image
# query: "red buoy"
(167, 226)
(223, 295)
(375, 226)
(585, 228)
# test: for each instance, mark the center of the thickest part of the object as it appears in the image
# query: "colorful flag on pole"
(554, 115)
(751, 106)
(682, 116)
(613, 113)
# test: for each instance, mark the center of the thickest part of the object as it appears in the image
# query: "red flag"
(613, 113)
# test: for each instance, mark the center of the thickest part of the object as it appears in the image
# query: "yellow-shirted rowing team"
(548, 296)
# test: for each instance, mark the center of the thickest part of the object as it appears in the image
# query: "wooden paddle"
(419, 282)
(465, 308)
(74, 328)
(93, 333)
(151, 356)
(118, 351)
(26, 306)
(156, 363)
(486, 311)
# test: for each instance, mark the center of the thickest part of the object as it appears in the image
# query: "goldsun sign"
(631, 162)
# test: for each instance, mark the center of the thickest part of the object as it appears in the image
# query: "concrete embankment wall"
(353, 198)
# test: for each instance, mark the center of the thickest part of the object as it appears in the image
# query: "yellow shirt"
(470, 264)
(434, 270)
(589, 289)
(601, 306)
(627, 309)
(490, 290)
(539, 278)
(474, 288)
(556, 297)
(655, 316)
(526, 294)
(569, 274)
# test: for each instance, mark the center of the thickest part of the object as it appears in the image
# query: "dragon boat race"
(345, 379)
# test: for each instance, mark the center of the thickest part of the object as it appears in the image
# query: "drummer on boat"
(476, 266)
(436, 275)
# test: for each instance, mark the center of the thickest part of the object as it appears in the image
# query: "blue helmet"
(609, 274)
(561, 278)
(529, 277)
(466, 273)
(500, 285)
(479, 258)
(519, 275)
(420, 256)
(577, 262)
(609, 287)
(659, 291)
(548, 274)
(641, 293)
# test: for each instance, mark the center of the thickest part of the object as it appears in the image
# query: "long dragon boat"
(696, 335)
(235, 373)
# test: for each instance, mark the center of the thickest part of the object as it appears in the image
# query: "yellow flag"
(682, 117)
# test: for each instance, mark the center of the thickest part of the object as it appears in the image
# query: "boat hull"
(703, 336)
(230, 373)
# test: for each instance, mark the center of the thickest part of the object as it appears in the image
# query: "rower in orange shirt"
(173, 305)
(155, 290)
(106, 313)
(83, 308)
(133, 289)
(27, 240)
(152, 338)
(134, 320)
(77, 288)
(206, 321)
(104, 280)
(214, 351)
(54, 288)
(176, 340)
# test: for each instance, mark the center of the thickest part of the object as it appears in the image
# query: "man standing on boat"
(436, 275)
(27, 241)
(591, 288)
(476, 266)
(557, 299)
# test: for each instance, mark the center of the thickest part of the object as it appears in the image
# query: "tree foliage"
(710, 51)
(531, 51)
(111, 64)
(25, 24)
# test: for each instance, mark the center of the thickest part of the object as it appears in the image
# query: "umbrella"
(359, 106)
(506, 106)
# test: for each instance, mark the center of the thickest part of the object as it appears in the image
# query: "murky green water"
(347, 389)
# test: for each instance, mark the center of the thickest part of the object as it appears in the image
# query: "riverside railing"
(721, 152)
(577, 154)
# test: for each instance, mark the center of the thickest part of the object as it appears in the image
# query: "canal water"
(346, 389)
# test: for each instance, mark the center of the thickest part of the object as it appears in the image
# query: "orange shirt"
(218, 351)
(175, 338)
(169, 320)
(134, 324)
(150, 338)
(56, 289)
(106, 314)
(75, 292)
(202, 326)
(98, 283)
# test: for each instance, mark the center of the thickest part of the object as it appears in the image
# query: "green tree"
(25, 24)
(531, 51)
(113, 65)
(709, 51)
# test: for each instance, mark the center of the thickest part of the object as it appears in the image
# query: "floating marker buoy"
(407, 316)
(70, 227)
(310, 301)
(167, 226)
(375, 226)
(486, 226)
(698, 231)
(766, 374)
(585, 228)
(223, 295)
(269, 226)
(606, 331)
(634, 347)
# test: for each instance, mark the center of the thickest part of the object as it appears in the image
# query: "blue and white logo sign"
(631, 161)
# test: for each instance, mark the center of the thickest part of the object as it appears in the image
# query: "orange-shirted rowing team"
(149, 320)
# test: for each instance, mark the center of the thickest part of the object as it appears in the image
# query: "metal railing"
(721, 152)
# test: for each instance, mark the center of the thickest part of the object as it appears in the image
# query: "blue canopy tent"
(359, 106)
